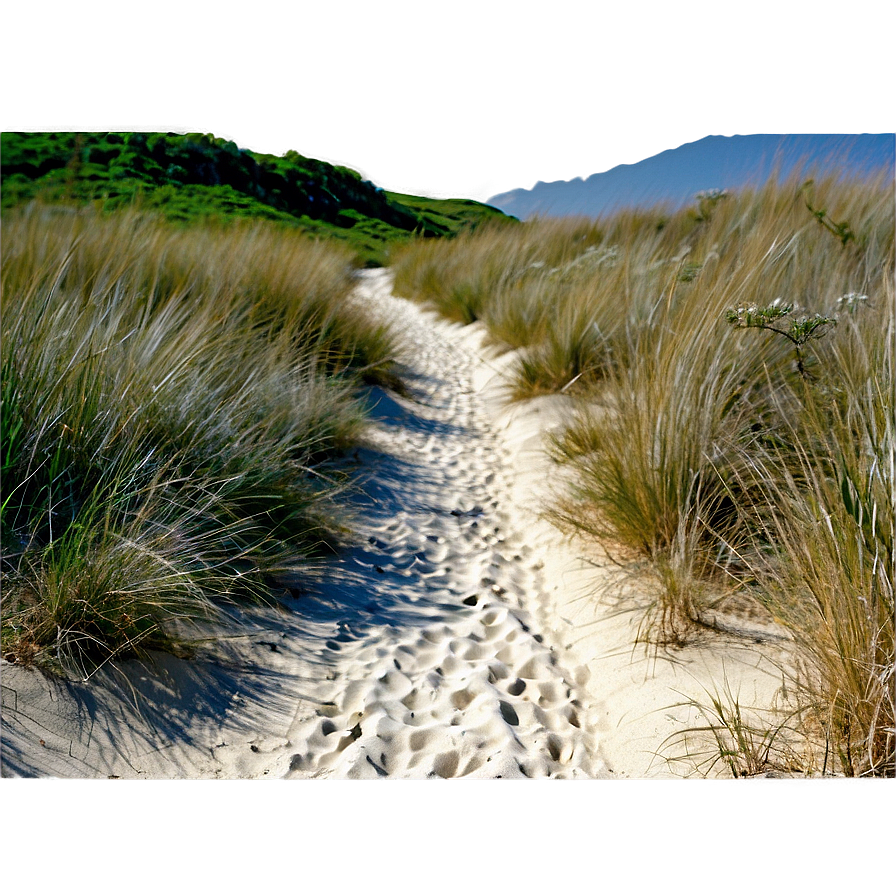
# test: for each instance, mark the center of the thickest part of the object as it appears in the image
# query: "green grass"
(174, 407)
(452, 215)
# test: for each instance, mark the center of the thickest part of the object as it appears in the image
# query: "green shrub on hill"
(198, 177)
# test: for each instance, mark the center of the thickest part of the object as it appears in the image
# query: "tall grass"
(173, 405)
(463, 277)
(832, 523)
(654, 467)
(727, 458)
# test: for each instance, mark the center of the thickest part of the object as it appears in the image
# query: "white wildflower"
(711, 194)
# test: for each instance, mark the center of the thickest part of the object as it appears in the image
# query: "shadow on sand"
(166, 716)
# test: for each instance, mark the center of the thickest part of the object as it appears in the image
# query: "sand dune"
(461, 638)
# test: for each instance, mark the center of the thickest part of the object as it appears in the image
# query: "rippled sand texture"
(438, 667)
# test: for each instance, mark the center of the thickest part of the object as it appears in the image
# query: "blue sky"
(674, 175)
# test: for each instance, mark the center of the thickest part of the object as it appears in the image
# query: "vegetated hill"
(190, 177)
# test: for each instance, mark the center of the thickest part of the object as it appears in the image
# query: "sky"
(463, 99)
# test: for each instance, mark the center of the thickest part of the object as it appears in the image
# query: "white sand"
(465, 637)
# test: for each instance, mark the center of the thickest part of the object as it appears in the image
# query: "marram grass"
(728, 454)
(173, 407)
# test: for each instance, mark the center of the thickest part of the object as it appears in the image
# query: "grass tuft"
(743, 740)
(757, 457)
(174, 408)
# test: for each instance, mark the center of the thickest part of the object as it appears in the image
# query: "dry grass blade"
(739, 738)
(173, 406)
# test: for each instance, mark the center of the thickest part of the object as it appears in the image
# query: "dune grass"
(174, 405)
(725, 453)
(832, 521)
(745, 740)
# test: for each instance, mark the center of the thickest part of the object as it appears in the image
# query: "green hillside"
(193, 177)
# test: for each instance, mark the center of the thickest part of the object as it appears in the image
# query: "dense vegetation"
(174, 407)
(181, 362)
(198, 177)
(734, 372)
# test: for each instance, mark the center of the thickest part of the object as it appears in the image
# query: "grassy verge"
(173, 407)
(734, 365)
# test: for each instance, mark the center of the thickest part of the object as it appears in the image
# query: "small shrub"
(799, 331)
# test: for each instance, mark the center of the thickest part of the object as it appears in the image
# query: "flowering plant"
(707, 200)
(799, 330)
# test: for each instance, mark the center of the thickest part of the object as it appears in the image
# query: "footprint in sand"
(476, 692)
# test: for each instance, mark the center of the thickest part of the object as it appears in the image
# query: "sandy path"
(438, 668)
(463, 636)
(415, 655)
